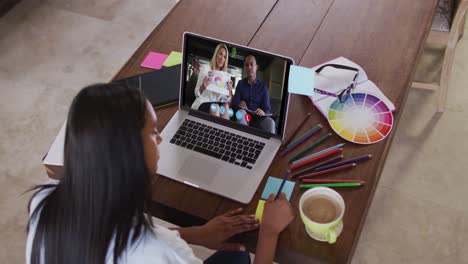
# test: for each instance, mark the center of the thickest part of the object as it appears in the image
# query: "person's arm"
(193, 80)
(266, 247)
(266, 100)
(214, 233)
(277, 215)
(202, 82)
(236, 100)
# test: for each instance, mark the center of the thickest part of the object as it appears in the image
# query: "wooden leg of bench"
(444, 78)
(425, 86)
(461, 27)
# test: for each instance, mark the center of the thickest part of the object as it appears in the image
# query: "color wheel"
(362, 118)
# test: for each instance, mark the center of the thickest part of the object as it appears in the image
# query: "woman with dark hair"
(96, 212)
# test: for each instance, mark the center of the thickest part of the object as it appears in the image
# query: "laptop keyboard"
(218, 143)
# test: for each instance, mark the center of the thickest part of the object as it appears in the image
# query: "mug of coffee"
(322, 211)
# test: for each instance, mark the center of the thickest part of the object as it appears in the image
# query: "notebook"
(160, 86)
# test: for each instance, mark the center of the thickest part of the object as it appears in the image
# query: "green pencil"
(305, 134)
(316, 143)
(341, 184)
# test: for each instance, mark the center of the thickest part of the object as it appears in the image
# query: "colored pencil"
(341, 184)
(329, 181)
(323, 163)
(308, 135)
(347, 166)
(295, 131)
(285, 177)
(353, 160)
(315, 158)
(302, 136)
(313, 145)
(319, 152)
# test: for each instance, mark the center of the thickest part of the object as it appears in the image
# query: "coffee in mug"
(321, 209)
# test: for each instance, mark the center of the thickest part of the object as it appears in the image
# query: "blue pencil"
(285, 177)
(316, 143)
(353, 160)
(318, 153)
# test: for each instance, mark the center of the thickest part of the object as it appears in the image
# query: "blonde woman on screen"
(207, 101)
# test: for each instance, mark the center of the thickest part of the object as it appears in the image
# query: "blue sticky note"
(301, 80)
(272, 186)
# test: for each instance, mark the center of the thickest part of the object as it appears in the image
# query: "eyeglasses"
(345, 93)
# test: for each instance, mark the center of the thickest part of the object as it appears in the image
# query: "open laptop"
(228, 157)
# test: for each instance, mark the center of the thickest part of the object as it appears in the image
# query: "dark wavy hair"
(102, 193)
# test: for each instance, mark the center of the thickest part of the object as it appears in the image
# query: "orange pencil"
(347, 166)
(315, 158)
(329, 181)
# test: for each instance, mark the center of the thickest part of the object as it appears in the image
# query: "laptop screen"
(236, 83)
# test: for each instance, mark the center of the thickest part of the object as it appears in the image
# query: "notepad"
(301, 80)
(154, 60)
(174, 58)
(335, 80)
(259, 211)
(272, 186)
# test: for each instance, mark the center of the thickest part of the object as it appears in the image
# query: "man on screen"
(252, 96)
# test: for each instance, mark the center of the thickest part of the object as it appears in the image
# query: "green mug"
(330, 230)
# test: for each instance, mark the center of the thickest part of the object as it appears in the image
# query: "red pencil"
(315, 158)
(347, 166)
(329, 181)
(323, 163)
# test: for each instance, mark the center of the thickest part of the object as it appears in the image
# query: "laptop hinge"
(230, 124)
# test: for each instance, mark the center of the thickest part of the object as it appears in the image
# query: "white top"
(164, 246)
(206, 96)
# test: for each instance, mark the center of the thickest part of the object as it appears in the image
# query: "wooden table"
(385, 37)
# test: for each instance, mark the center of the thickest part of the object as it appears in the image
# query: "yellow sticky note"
(259, 212)
(174, 58)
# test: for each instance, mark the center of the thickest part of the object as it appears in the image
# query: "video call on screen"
(234, 83)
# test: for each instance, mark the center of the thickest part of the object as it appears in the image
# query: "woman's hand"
(277, 215)
(214, 233)
(205, 83)
(230, 90)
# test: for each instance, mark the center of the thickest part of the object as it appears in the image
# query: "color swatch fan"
(362, 118)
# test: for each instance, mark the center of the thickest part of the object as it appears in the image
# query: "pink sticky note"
(154, 60)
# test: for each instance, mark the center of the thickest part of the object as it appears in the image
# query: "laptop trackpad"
(199, 171)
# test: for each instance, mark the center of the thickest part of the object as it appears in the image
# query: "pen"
(343, 167)
(353, 160)
(330, 181)
(316, 143)
(285, 177)
(301, 139)
(315, 158)
(317, 153)
(342, 184)
(295, 131)
(323, 163)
